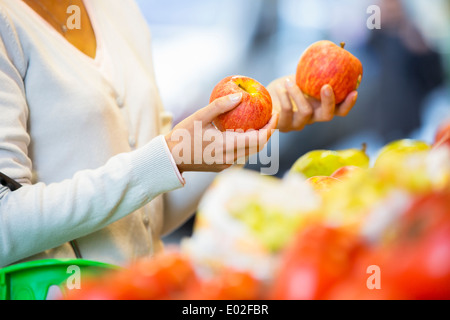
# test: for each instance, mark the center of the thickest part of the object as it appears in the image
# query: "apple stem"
(364, 147)
(342, 45)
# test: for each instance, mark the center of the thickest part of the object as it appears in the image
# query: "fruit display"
(166, 276)
(378, 231)
(169, 275)
(255, 109)
(339, 224)
(323, 63)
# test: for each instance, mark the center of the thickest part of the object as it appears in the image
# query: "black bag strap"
(9, 183)
(13, 185)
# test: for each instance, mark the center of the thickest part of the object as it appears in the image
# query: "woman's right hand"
(197, 145)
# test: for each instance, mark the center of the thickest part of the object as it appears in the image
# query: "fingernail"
(355, 97)
(289, 82)
(236, 97)
(327, 91)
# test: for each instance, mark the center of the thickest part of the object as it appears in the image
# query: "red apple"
(442, 136)
(317, 258)
(255, 109)
(228, 284)
(345, 171)
(322, 183)
(323, 63)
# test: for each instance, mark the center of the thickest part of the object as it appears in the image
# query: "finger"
(209, 126)
(326, 110)
(273, 122)
(275, 100)
(241, 143)
(304, 109)
(266, 132)
(345, 107)
(246, 147)
(249, 147)
(286, 110)
(243, 155)
(239, 138)
(218, 107)
(236, 144)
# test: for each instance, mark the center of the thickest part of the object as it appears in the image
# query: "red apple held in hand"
(323, 63)
(255, 109)
(345, 172)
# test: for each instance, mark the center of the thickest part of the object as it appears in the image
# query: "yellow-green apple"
(255, 109)
(323, 63)
(322, 183)
(350, 201)
(405, 164)
(400, 147)
(325, 162)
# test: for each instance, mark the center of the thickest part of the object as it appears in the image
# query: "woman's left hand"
(296, 110)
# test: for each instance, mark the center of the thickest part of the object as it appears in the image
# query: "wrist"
(170, 146)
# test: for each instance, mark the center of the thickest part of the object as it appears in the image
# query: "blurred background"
(404, 91)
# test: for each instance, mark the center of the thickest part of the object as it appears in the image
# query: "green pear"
(317, 163)
(355, 157)
(326, 162)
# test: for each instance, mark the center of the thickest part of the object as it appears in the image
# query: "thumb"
(218, 107)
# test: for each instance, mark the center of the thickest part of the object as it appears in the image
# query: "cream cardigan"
(84, 138)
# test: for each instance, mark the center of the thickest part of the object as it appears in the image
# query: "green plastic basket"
(32, 280)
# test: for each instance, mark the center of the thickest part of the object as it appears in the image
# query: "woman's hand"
(297, 110)
(197, 145)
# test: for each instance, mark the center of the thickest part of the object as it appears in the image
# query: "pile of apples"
(169, 275)
(381, 231)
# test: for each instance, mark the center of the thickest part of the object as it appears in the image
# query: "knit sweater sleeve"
(41, 216)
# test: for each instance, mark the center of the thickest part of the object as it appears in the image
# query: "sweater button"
(132, 142)
(119, 102)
